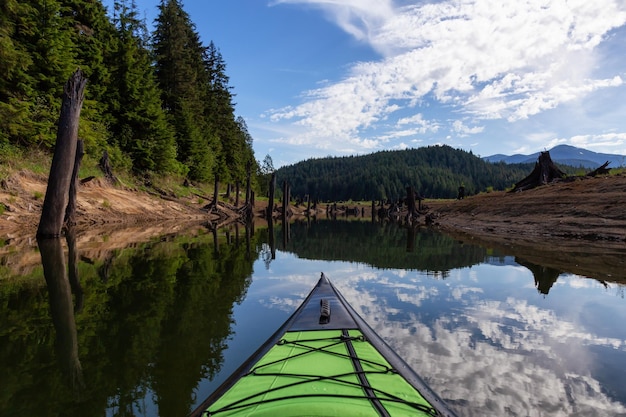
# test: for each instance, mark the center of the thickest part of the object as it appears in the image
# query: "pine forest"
(159, 103)
(432, 171)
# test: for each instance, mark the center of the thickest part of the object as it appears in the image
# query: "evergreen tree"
(140, 127)
(40, 59)
(434, 171)
(178, 53)
(94, 39)
(264, 174)
(160, 103)
(219, 112)
(246, 138)
(52, 51)
(15, 82)
(247, 156)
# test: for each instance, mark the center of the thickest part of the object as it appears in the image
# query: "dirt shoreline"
(584, 211)
(577, 226)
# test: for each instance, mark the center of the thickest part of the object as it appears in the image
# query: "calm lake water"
(152, 328)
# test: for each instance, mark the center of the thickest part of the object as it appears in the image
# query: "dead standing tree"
(61, 170)
(544, 173)
(70, 212)
(105, 167)
(412, 213)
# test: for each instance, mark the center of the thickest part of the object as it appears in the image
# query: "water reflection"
(155, 326)
(145, 323)
(61, 308)
(545, 277)
(386, 245)
(489, 352)
(487, 344)
(604, 261)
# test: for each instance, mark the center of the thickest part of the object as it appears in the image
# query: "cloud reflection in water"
(484, 338)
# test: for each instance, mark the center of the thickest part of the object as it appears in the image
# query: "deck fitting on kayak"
(324, 311)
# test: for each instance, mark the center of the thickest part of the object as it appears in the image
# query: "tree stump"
(105, 167)
(544, 172)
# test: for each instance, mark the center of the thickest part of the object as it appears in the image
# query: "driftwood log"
(57, 192)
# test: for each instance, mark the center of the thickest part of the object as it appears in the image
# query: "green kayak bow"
(324, 361)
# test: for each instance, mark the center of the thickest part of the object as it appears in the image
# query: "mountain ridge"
(566, 155)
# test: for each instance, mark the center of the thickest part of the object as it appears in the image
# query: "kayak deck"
(324, 361)
(308, 366)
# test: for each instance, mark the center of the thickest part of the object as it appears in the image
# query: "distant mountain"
(566, 155)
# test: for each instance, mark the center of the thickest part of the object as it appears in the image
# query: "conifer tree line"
(158, 102)
(433, 171)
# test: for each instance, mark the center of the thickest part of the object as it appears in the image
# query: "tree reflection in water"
(61, 307)
(146, 321)
(154, 322)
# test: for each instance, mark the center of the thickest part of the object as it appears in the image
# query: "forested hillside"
(157, 102)
(434, 171)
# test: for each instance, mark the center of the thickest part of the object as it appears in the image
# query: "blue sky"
(317, 78)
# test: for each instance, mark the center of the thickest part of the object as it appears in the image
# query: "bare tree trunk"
(544, 172)
(70, 211)
(105, 167)
(248, 187)
(270, 203)
(286, 198)
(216, 190)
(57, 193)
(601, 170)
(410, 200)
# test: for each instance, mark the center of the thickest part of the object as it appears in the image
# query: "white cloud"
(356, 17)
(602, 141)
(459, 127)
(487, 59)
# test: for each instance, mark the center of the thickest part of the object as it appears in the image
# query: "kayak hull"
(325, 360)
